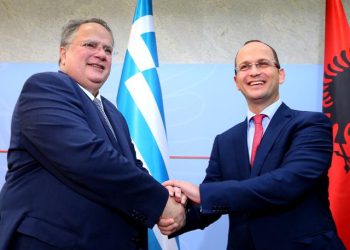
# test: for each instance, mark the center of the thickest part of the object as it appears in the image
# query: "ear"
(235, 80)
(62, 55)
(282, 76)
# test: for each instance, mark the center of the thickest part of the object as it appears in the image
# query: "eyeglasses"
(95, 46)
(262, 64)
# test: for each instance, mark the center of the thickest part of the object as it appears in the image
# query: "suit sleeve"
(56, 131)
(305, 158)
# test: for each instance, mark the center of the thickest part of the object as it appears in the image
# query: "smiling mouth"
(256, 83)
(97, 66)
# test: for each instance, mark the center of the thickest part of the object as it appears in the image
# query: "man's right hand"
(173, 217)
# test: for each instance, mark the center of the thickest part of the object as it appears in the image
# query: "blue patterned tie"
(98, 103)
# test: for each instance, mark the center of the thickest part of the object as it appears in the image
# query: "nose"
(254, 70)
(100, 52)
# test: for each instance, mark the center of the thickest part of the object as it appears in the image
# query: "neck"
(256, 107)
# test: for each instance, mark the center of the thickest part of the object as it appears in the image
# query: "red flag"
(336, 105)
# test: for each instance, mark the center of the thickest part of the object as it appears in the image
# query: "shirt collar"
(91, 96)
(269, 111)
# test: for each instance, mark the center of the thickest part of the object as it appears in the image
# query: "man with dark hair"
(73, 180)
(269, 172)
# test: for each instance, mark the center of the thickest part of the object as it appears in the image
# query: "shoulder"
(54, 86)
(237, 130)
(49, 80)
(301, 116)
(49, 75)
(310, 117)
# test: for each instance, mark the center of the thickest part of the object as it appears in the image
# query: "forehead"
(254, 51)
(93, 31)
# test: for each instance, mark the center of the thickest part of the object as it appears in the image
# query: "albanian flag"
(336, 105)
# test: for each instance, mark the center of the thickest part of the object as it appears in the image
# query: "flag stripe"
(140, 133)
(137, 47)
(148, 107)
(140, 100)
(153, 240)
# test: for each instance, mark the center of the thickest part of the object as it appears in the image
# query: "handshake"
(174, 217)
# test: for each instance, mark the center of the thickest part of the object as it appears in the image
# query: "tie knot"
(258, 118)
(97, 101)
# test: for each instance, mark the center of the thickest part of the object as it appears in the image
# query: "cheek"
(75, 62)
(109, 66)
(238, 82)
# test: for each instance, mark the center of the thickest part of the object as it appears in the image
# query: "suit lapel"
(278, 122)
(241, 149)
(107, 129)
(116, 121)
(115, 118)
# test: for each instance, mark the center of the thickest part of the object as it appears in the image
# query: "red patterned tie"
(258, 134)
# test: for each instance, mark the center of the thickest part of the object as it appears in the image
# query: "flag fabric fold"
(140, 101)
(336, 105)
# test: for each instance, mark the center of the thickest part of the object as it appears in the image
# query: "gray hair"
(69, 30)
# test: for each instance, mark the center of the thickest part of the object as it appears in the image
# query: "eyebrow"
(95, 41)
(259, 60)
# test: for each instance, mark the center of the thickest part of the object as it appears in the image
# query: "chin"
(98, 80)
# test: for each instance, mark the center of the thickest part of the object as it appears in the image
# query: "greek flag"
(140, 100)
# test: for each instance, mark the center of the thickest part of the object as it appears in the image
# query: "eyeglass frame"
(259, 65)
(94, 46)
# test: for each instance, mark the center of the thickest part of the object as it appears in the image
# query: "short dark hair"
(258, 41)
(72, 26)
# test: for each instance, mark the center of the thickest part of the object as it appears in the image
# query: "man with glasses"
(73, 180)
(269, 172)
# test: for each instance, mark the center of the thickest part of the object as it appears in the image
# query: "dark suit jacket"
(69, 183)
(280, 203)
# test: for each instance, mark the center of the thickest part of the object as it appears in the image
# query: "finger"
(170, 190)
(167, 233)
(168, 183)
(174, 183)
(165, 222)
(169, 229)
(178, 194)
(184, 200)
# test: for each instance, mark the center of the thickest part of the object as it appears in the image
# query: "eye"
(263, 64)
(108, 50)
(244, 67)
(90, 45)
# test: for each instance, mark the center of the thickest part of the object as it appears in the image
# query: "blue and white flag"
(140, 100)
